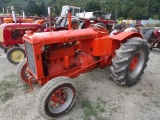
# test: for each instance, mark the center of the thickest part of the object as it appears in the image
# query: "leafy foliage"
(143, 9)
(93, 6)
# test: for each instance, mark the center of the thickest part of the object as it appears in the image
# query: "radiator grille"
(30, 56)
(1, 35)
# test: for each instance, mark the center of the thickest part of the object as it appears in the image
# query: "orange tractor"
(53, 58)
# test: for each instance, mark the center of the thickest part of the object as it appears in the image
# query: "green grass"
(4, 85)
(88, 109)
(6, 90)
(93, 109)
(6, 96)
(25, 87)
(10, 76)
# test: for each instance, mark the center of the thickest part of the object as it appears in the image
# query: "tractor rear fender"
(123, 36)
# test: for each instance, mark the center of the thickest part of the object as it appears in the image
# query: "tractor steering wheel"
(99, 28)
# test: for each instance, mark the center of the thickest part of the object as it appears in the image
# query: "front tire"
(130, 61)
(22, 72)
(56, 97)
(15, 55)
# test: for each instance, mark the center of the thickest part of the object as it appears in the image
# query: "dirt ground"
(99, 98)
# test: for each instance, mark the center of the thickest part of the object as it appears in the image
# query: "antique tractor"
(96, 17)
(53, 58)
(153, 38)
(11, 37)
(85, 19)
(20, 19)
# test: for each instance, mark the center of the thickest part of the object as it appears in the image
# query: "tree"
(42, 8)
(135, 13)
(92, 6)
(120, 18)
(32, 8)
(156, 17)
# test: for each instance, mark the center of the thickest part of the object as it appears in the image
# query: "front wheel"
(15, 55)
(22, 72)
(130, 61)
(56, 97)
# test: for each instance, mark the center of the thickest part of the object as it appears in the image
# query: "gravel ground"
(108, 100)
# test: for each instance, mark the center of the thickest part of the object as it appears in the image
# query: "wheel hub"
(17, 56)
(134, 62)
(59, 98)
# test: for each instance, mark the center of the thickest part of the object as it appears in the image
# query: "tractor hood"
(22, 20)
(26, 26)
(60, 36)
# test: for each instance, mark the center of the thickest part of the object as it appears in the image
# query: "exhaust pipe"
(3, 11)
(69, 18)
(7, 9)
(14, 14)
(50, 19)
(24, 16)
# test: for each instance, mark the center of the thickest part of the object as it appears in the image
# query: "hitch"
(30, 84)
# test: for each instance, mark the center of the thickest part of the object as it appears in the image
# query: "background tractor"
(8, 18)
(14, 18)
(83, 20)
(96, 17)
(53, 58)
(153, 38)
(11, 37)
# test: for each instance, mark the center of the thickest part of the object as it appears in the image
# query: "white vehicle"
(62, 19)
(74, 11)
(94, 15)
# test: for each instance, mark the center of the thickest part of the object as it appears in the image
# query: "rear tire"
(56, 97)
(15, 55)
(149, 37)
(130, 61)
(75, 24)
(81, 25)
